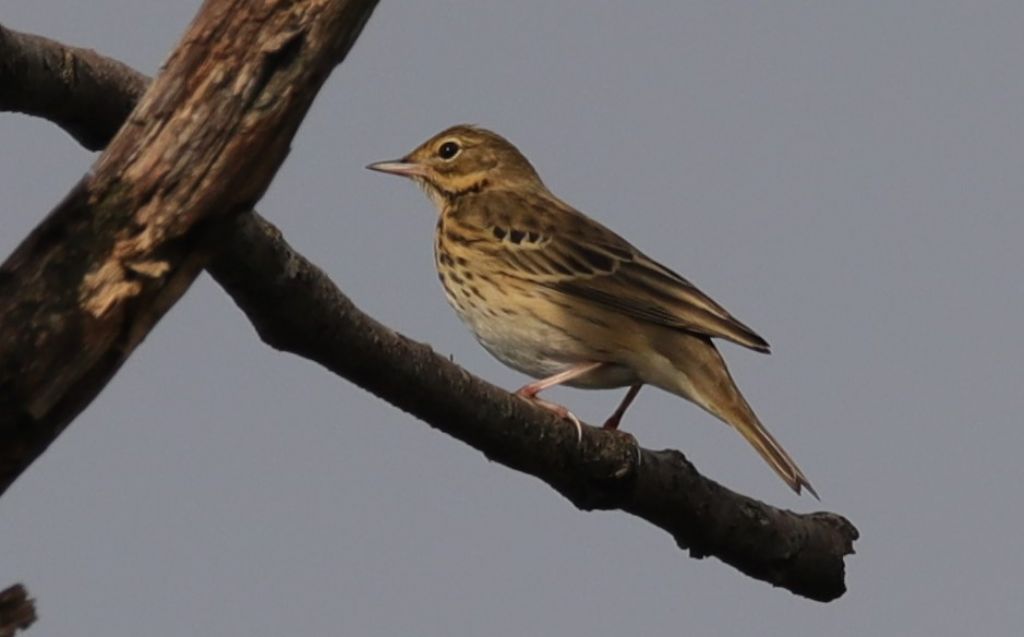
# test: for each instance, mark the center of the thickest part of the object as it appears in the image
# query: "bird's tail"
(703, 378)
(751, 428)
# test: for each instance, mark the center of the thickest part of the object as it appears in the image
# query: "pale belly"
(539, 349)
(529, 328)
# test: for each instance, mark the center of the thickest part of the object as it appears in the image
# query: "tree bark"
(75, 95)
(87, 285)
(295, 307)
(17, 610)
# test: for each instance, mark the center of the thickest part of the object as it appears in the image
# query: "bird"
(561, 298)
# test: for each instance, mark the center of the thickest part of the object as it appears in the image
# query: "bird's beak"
(401, 167)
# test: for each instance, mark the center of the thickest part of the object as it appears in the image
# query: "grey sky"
(847, 179)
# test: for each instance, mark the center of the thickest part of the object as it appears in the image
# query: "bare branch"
(295, 307)
(17, 610)
(88, 284)
(75, 92)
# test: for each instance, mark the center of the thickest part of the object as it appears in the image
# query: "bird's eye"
(448, 150)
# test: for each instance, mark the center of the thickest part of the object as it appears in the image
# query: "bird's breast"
(520, 324)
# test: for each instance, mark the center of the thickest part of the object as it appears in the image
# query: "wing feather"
(581, 258)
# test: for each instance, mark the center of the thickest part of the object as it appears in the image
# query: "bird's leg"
(537, 386)
(613, 420)
(529, 392)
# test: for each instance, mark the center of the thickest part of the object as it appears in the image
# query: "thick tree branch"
(17, 610)
(295, 307)
(76, 96)
(88, 284)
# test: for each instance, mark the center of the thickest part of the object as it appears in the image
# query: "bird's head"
(463, 159)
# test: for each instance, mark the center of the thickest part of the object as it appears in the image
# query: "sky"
(843, 177)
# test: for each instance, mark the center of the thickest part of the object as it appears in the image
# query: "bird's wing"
(581, 258)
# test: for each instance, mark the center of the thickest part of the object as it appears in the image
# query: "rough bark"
(87, 285)
(17, 610)
(76, 95)
(295, 307)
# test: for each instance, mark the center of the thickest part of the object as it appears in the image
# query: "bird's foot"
(559, 410)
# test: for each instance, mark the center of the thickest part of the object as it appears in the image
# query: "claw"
(560, 411)
(579, 426)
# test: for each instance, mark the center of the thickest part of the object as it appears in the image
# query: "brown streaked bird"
(556, 295)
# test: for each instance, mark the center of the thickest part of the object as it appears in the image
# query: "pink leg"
(613, 420)
(530, 392)
(537, 386)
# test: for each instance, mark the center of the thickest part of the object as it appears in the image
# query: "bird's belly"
(540, 349)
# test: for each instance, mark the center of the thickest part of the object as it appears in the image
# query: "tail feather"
(699, 374)
(772, 452)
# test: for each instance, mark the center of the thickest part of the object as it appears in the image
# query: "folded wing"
(585, 260)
